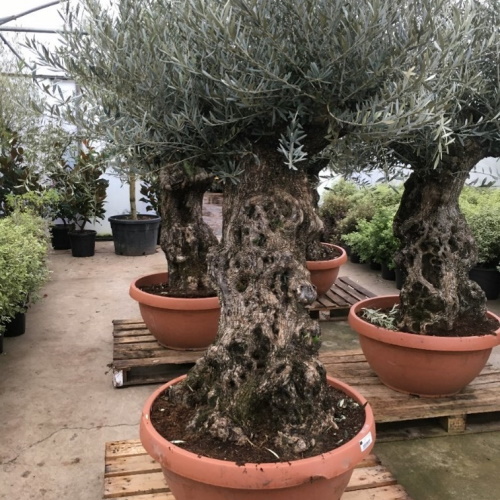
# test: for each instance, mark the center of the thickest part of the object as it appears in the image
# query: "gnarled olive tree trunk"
(185, 237)
(437, 248)
(263, 366)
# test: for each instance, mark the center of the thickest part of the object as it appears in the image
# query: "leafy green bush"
(24, 244)
(481, 208)
(374, 240)
(80, 186)
(346, 205)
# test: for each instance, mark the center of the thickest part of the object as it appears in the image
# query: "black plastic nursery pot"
(400, 276)
(16, 326)
(135, 237)
(60, 236)
(83, 243)
(488, 280)
(388, 273)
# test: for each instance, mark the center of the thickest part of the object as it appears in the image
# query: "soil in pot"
(193, 475)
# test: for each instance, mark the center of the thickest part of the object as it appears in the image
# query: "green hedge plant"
(374, 240)
(24, 245)
(481, 208)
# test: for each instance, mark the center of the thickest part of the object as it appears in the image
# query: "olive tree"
(256, 92)
(438, 248)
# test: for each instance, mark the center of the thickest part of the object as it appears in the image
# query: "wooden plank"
(130, 474)
(134, 339)
(341, 296)
(137, 484)
(124, 448)
(151, 496)
(142, 333)
(357, 286)
(428, 428)
(393, 492)
(120, 322)
(370, 477)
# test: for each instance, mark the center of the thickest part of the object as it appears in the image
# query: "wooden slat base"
(453, 414)
(130, 474)
(138, 358)
(335, 303)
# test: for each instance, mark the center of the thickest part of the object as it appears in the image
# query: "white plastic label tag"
(366, 442)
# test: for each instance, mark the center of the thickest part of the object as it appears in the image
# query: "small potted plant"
(374, 241)
(82, 192)
(481, 207)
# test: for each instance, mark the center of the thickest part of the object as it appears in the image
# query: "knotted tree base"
(263, 371)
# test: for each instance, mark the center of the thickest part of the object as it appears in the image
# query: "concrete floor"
(58, 407)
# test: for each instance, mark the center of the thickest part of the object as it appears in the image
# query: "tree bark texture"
(264, 367)
(437, 248)
(185, 237)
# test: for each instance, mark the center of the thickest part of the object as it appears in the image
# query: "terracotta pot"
(191, 476)
(177, 323)
(325, 272)
(420, 364)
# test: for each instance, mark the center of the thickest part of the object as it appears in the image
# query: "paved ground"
(58, 406)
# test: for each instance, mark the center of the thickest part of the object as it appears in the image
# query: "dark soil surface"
(164, 290)
(171, 420)
(464, 327)
(322, 252)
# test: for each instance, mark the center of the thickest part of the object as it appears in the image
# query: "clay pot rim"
(279, 475)
(183, 304)
(317, 265)
(125, 219)
(410, 340)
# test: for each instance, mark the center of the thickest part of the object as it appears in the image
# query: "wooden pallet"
(139, 359)
(455, 414)
(335, 303)
(131, 474)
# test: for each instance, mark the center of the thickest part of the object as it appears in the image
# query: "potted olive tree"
(441, 323)
(254, 96)
(133, 233)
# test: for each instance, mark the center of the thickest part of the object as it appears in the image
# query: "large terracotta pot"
(325, 272)
(177, 323)
(423, 365)
(191, 476)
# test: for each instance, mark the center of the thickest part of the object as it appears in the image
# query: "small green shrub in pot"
(24, 244)
(346, 204)
(81, 188)
(481, 208)
(374, 239)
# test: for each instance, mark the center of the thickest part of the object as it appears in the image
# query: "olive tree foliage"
(256, 91)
